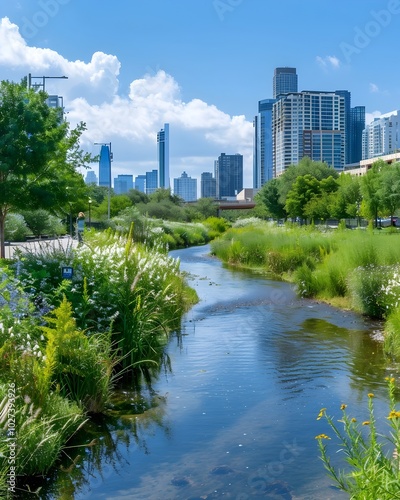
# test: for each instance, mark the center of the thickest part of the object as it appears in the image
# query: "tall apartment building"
(284, 81)
(123, 184)
(312, 124)
(208, 186)
(185, 187)
(229, 175)
(381, 136)
(163, 156)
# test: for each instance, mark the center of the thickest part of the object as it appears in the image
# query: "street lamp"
(110, 159)
(90, 213)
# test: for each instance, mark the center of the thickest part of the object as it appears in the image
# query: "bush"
(15, 228)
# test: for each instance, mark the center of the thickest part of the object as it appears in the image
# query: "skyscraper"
(262, 154)
(229, 175)
(91, 177)
(208, 186)
(163, 156)
(105, 166)
(185, 187)
(284, 81)
(309, 123)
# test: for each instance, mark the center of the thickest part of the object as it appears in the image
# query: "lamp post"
(110, 159)
(90, 213)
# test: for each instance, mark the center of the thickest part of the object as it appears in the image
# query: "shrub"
(15, 228)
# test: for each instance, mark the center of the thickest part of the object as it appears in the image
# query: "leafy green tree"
(270, 196)
(317, 169)
(305, 188)
(39, 155)
(389, 190)
(347, 199)
(137, 196)
(371, 191)
(117, 204)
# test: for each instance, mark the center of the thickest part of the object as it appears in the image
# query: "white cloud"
(373, 88)
(198, 131)
(328, 62)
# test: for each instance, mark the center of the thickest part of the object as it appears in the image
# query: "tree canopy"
(39, 154)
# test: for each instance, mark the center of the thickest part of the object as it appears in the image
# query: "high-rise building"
(105, 166)
(91, 177)
(185, 187)
(140, 183)
(382, 136)
(123, 184)
(262, 154)
(163, 156)
(309, 123)
(151, 181)
(229, 175)
(208, 187)
(357, 126)
(284, 81)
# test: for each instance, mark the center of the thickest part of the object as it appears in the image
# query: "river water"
(236, 416)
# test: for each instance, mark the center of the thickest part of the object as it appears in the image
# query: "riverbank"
(74, 319)
(354, 270)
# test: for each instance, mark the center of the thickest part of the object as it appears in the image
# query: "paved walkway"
(42, 244)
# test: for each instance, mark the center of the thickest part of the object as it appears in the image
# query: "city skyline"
(127, 76)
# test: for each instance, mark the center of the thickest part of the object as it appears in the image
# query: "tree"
(370, 190)
(39, 155)
(269, 195)
(305, 188)
(389, 190)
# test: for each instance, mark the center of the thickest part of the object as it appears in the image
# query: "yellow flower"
(321, 413)
(354, 420)
(343, 407)
(394, 414)
(366, 422)
(322, 436)
(370, 395)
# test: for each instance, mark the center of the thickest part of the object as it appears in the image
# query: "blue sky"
(200, 65)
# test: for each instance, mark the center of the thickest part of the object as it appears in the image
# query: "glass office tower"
(163, 156)
(229, 175)
(105, 166)
(284, 81)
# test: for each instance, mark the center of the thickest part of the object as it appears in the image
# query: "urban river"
(235, 418)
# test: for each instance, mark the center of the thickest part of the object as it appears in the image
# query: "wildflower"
(354, 420)
(321, 413)
(366, 422)
(343, 407)
(322, 436)
(394, 414)
(371, 395)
